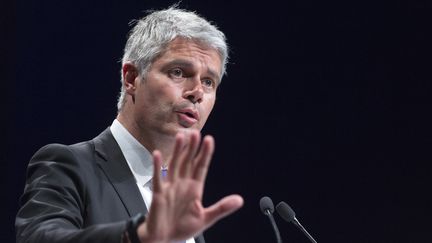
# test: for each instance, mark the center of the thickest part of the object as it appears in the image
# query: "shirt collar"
(139, 159)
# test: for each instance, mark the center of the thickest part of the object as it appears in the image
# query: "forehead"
(195, 53)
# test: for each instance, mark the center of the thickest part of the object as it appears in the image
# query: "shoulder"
(77, 160)
(61, 152)
(60, 159)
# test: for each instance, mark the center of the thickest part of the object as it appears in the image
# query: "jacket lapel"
(199, 239)
(113, 163)
(116, 169)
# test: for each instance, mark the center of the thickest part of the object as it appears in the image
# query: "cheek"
(164, 94)
(208, 107)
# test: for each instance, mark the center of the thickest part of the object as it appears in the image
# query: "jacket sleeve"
(53, 202)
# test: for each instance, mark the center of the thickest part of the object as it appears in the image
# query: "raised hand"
(176, 212)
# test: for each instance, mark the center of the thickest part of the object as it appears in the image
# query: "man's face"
(179, 90)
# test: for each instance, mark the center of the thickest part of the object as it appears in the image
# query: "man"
(150, 159)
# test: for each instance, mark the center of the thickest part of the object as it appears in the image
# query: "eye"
(208, 83)
(176, 73)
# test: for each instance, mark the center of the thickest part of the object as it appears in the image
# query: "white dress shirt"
(139, 159)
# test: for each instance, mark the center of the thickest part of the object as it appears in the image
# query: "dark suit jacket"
(79, 193)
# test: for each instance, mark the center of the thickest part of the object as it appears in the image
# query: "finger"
(189, 154)
(174, 163)
(157, 163)
(203, 158)
(222, 208)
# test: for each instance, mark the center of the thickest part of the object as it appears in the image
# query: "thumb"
(222, 208)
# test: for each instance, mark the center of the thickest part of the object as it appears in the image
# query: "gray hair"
(152, 34)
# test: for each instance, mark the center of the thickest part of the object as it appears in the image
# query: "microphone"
(286, 212)
(267, 208)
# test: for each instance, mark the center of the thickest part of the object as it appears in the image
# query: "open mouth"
(189, 114)
(188, 117)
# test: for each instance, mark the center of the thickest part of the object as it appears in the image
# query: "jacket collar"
(113, 163)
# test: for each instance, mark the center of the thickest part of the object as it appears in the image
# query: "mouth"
(193, 114)
(188, 117)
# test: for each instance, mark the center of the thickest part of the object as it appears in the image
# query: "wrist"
(149, 236)
(132, 228)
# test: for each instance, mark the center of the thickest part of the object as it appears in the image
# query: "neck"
(151, 140)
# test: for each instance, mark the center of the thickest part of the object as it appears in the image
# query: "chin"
(188, 129)
(178, 128)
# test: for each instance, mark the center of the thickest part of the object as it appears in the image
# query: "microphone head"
(266, 204)
(285, 211)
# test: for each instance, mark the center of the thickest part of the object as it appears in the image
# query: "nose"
(194, 93)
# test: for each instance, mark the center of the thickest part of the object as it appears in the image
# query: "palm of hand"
(176, 212)
(180, 207)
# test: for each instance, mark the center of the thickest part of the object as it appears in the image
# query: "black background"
(326, 106)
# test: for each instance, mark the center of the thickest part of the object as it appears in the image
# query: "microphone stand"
(297, 223)
(275, 228)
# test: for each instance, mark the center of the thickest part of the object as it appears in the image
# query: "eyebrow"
(187, 64)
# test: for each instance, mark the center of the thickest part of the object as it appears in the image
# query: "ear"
(130, 74)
